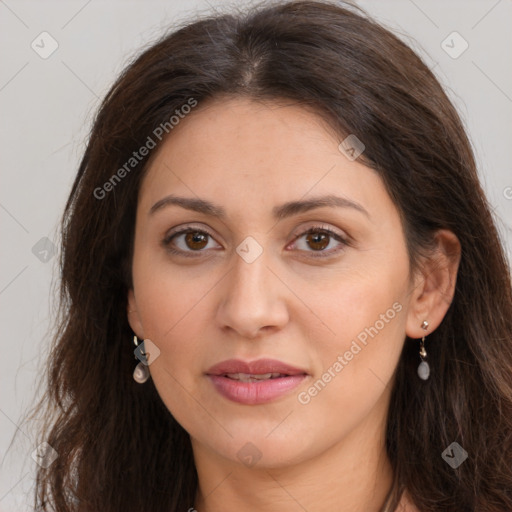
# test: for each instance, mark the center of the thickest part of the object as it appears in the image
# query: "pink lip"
(252, 393)
(258, 367)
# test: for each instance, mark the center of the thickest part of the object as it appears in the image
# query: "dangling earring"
(423, 368)
(141, 372)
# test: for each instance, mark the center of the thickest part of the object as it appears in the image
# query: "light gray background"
(47, 105)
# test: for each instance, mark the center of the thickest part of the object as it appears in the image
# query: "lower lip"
(253, 393)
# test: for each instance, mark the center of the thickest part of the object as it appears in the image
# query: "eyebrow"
(279, 212)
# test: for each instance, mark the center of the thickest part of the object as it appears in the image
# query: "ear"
(133, 316)
(434, 285)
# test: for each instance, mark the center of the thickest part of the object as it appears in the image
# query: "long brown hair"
(119, 449)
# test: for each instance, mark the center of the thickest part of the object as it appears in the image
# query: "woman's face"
(258, 238)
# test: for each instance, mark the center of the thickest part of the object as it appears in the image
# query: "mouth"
(247, 377)
(260, 369)
(255, 382)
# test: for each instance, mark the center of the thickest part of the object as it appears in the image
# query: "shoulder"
(406, 504)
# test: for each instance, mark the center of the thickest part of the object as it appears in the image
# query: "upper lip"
(259, 367)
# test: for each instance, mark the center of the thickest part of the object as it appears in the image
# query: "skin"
(249, 157)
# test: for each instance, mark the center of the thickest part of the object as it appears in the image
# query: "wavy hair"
(119, 449)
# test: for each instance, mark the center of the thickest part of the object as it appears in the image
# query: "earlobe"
(133, 315)
(434, 287)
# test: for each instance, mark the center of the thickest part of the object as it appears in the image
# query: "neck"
(354, 474)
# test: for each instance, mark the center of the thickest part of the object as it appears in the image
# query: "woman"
(277, 229)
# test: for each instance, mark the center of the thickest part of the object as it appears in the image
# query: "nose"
(254, 299)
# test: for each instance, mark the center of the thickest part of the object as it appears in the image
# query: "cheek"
(171, 308)
(365, 314)
(167, 295)
(358, 362)
(358, 298)
(366, 311)
(175, 323)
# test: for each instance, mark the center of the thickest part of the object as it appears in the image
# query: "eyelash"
(315, 229)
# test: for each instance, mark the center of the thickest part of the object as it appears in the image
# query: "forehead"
(250, 154)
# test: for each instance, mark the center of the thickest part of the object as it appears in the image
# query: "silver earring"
(141, 372)
(423, 368)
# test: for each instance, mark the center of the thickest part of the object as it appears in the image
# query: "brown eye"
(190, 242)
(196, 240)
(318, 241)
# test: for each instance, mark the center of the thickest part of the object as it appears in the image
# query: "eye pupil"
(318, 241)
(196, 240)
